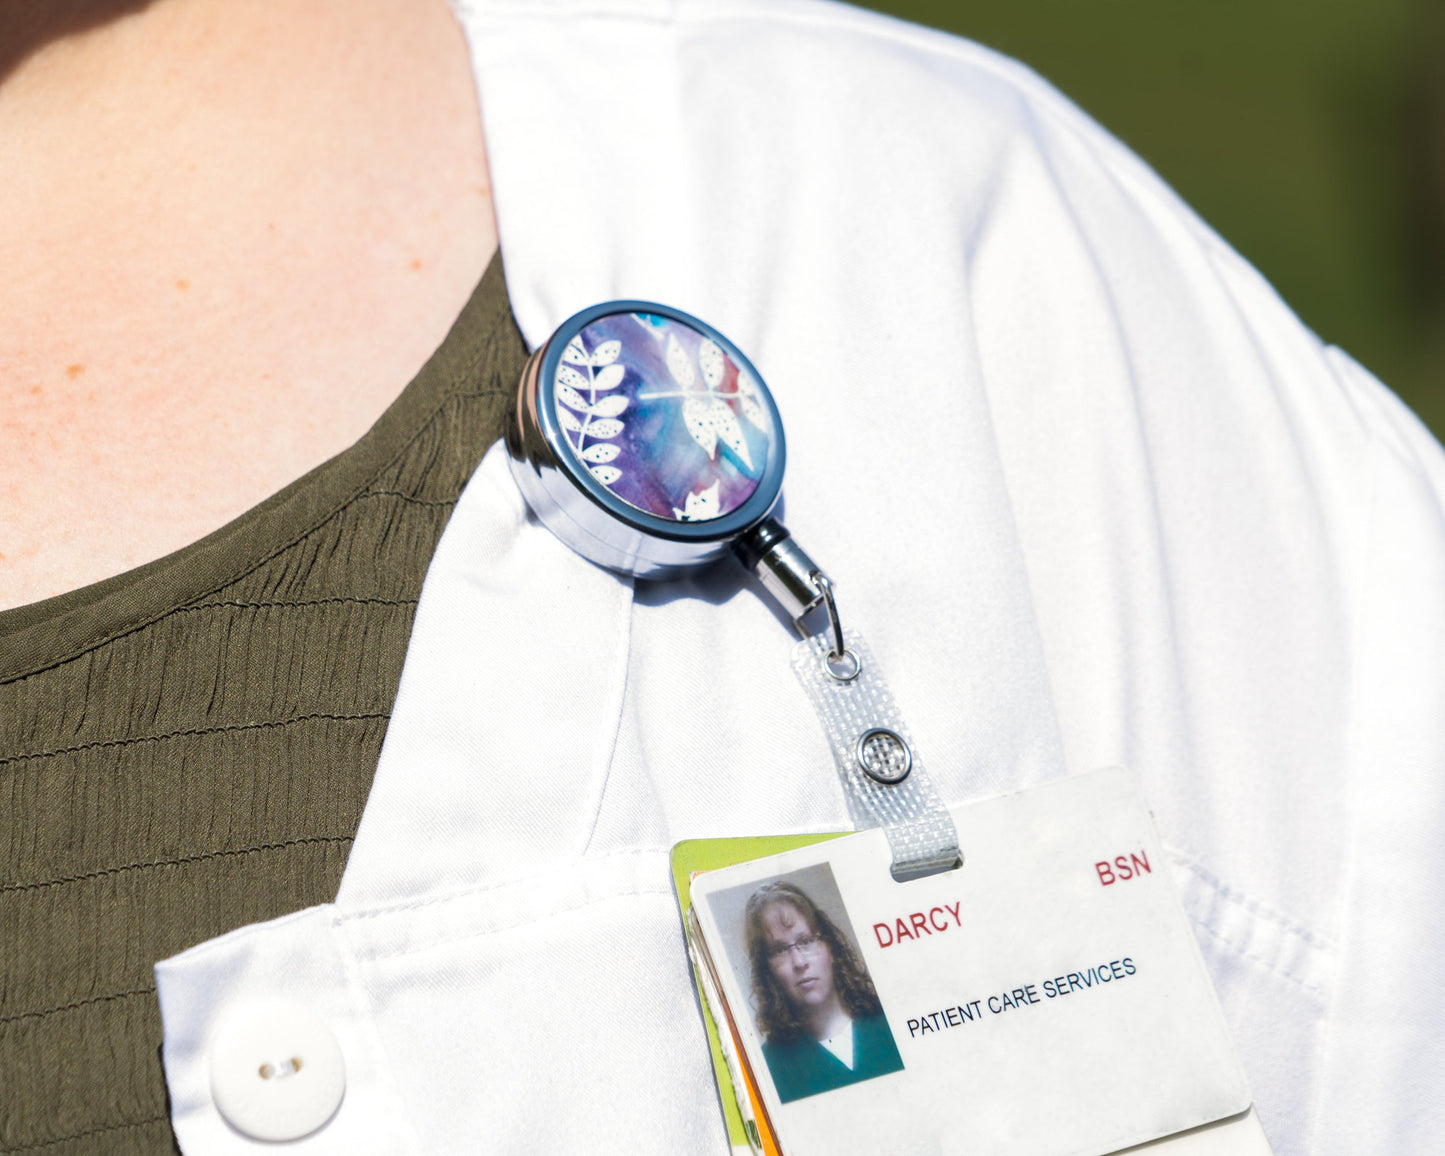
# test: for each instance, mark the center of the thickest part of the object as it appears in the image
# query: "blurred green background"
(1309, 133)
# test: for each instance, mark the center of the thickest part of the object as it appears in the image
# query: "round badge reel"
(647, 442)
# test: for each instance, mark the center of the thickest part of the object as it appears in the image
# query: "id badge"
(1014, 976)
(1045, 998)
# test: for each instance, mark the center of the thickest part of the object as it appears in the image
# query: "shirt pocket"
(549, 1014)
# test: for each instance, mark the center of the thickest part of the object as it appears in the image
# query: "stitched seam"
(526, 921)
(472, 892)
(89, 1132)
(361, 998)
(191, 733)
(1272, 968)
(407, 498)
(180, 861)
(401, 452)
(1316, 942)
(105, 639)
(299, 603)
(65, 1007)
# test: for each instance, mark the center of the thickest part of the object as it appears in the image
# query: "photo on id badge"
(811, 997)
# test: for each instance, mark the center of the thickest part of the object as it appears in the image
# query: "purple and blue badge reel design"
(648, 443)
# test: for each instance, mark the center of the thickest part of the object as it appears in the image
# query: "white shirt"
(1090, 489)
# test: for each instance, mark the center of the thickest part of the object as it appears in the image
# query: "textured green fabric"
(187, 748)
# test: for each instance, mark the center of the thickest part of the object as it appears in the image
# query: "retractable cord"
(647, 442)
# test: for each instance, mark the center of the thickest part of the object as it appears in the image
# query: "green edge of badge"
(688, 858)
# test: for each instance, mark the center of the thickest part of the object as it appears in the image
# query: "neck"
(232, 234)
(827, 1019)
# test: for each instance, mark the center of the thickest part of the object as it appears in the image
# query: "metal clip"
(842, 664)
(799, 585)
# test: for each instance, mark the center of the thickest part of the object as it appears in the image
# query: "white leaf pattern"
(748, 399)
(726, 424)
(572, 399)
(678, 364)
(609, 378)
(710, 358)
(601, 452)
(610, 406)
(698, 417)
(589, 402)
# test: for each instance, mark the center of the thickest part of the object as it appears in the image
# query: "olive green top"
(187, 748)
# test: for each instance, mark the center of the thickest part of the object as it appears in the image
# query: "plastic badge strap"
(919, 828)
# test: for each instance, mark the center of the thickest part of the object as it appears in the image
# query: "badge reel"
(648, 443)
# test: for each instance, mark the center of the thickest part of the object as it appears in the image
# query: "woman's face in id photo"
(799, 957)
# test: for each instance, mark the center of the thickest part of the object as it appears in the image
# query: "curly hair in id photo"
(816, 1008)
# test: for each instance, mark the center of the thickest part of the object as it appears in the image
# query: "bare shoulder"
(233, 234)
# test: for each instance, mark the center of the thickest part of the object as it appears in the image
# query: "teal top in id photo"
(801, 1066)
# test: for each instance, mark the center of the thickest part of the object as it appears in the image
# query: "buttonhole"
(282, 1070)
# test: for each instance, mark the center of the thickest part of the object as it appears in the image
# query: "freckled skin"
(194, 316)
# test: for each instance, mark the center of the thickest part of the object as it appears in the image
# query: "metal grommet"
(844, 667)
(883, 756)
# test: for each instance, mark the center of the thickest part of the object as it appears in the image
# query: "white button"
(276, 1070)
